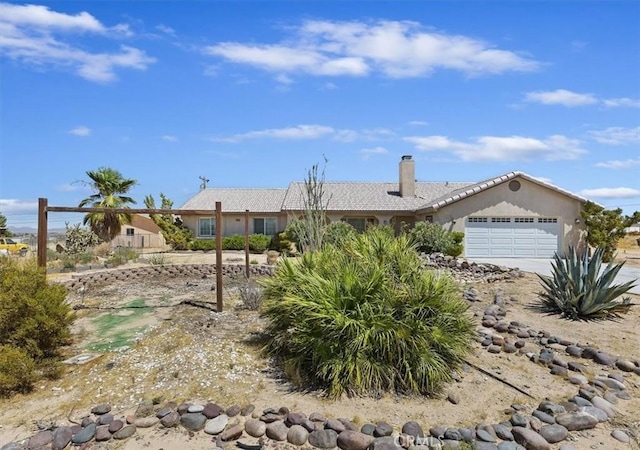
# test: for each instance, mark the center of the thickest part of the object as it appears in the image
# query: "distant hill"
(32, 230)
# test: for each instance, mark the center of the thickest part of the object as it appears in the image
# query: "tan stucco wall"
(531, 200)
(141, 239)
(233, 223)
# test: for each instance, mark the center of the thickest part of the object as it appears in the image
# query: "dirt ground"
(152, 347)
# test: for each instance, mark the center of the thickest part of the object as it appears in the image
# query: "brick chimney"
(407, 177)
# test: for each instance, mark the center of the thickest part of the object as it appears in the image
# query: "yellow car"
(8, 245)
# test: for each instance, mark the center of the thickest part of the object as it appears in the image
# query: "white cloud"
(617, 135)
(571, 99)
(80, 131)
(68, 187)
(418, 123)
(619, 192)
(166, 30)
(496, 148)
(393, 48)
(169, 138)
(544, 180)
(289, 133)
(561, 97)
(368, 152)
(10, 205)
(617, 164)
(37, 36)
(313, 131)
(621, 102)
(284, 79)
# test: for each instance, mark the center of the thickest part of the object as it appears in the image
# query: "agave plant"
(363, 318)
(580, 289)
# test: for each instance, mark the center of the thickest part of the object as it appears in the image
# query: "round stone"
(278, 431)
(554, 433)
(193, 421)
(170, 420)
(530, 439)
(255, 428)
(297, 435)
(382, 429)
(126, 432)
(413, 429)
(621, 435)
(354, 440)
(216, 425)
(625, 365)
(323, 438)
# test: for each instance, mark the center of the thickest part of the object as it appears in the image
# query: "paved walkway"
(543, 267)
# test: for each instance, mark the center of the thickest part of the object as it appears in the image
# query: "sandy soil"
(185, 353)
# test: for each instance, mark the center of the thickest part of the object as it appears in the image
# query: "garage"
(511, 237)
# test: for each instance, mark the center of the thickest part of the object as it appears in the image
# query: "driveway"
(543, 267)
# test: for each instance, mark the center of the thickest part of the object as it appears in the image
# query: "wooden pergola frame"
(44, 209)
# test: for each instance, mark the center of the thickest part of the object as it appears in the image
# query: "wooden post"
(42, 232)
(219, 305)
(246, 243)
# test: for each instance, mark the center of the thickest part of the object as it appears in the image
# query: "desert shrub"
(258, 243)
(103, 250)
(203, 244)
(251, 295)
(579, 289)
(233, 242)
(34, 319)
(293, 231)
(122, 255)
(363, 318)
(281, 243)
(17, 371)
(336, 233)
(175, 233)
(457, 247)
(78, 239)
(431, 238)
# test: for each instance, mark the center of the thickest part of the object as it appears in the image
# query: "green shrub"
(457, 247)
(579, 289)
(122, 255)
(258, 243)
(17, 371)
(363, 318)
(281, 243)
(432, 238)
(337, 233)
(233, 242)
(35, 323)
(203, 244)
(293, 231)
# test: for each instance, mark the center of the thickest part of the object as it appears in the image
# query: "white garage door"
(511, 237)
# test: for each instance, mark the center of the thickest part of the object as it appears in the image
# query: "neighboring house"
(513, 215)
(142, 232)
(635, 228)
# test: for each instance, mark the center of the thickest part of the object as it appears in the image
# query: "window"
(266, 226)
(206, 226)
(359, 223)
(130, 231)
(547, 220)
(523, 220)
(477, 219)
(501, 219)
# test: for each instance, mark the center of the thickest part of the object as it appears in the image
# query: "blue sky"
(253, 93)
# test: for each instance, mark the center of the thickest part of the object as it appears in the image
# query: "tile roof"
(363, 196)
(354, 196)
(238, 199)
(472, 189)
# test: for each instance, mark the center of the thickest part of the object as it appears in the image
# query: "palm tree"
(110, 187)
